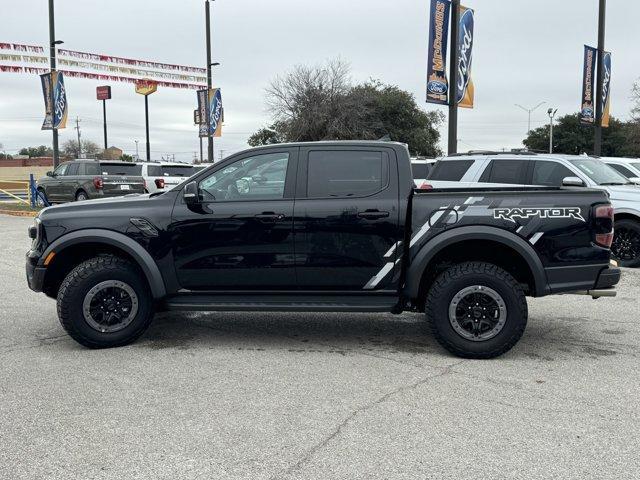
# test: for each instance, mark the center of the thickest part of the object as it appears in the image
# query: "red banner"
(18, 47)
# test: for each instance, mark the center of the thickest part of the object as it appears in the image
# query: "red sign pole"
(104, 93)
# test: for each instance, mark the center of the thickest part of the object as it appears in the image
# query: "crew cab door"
(346, 218)
(239, 236)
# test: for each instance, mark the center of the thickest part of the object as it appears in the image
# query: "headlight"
(35, 232)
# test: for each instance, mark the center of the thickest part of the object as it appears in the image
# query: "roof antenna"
(385, 138)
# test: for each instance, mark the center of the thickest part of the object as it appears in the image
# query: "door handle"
(373, 214)
(269, 216)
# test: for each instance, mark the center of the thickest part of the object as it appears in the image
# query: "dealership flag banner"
(56, 114)
(606, 89)
(215, 112)
(587, 107)
(437, 83)
(464, 88)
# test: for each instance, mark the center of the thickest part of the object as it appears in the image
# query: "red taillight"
(604, 225)
(98, 183)
(160, 182)
(425, 186)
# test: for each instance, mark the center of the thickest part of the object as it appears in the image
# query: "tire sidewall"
(74, 296)
(629, 225)
(516, 317)
(81, 194)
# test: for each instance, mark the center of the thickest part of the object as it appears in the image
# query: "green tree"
(320, 103)
(572, 138)
(126, 158)
(41, 151)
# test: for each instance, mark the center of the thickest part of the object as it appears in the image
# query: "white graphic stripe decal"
(379, 276)
(392, 249)
(536, 237)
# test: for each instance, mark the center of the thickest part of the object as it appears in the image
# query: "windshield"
(599, 172)
(171, 170)
(120, 169)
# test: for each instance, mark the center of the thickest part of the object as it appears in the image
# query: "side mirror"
(49, 174)
(635, 180)
(190, 193)
(572, 182)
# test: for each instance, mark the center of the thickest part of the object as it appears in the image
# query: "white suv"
(629, 167)
(529, 169)
(161, 176)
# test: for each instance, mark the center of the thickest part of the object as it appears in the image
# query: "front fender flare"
(430, 249)
(118, 240)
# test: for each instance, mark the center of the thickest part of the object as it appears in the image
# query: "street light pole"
(552, 113)
(146, 122)
(597, 147)
(52, 60)
(453, 79)
(529, 111)
(207, 11)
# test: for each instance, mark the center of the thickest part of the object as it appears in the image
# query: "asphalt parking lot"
(316, 396)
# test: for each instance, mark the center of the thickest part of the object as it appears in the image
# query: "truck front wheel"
(476, 310)
(105, 302)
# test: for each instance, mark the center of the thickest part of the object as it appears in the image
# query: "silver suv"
(530, 169)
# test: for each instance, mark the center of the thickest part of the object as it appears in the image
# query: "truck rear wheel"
(476, 310)
(105, 302)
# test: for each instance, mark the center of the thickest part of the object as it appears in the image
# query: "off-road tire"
(633, 226)
(458, 277)
(83, 278)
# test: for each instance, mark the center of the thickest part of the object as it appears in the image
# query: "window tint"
(599, 172)
(170, 170)
(505, 171)
(623, 170)
(72, 169)
(61, 169)
(92, 168)
(261, 177)
(550, 173)
(120, 169)
(450, 170)
(334, 173)
(420, 170)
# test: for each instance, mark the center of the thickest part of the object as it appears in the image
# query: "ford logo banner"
(586, 104)
(437, 87)
(437, 84)
(464, 87)
(606, 84)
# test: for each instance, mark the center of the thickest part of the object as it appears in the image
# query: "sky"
(524, 52)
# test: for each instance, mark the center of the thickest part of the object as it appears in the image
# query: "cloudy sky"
(525, 52)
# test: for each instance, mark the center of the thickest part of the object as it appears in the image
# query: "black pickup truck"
(330, 227)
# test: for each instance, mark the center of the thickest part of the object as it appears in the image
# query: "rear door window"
(550, 173)
(623, 170)
(450, 170)
(120, 169)
(91, 169)
(176, 170)
(348, 173)
(507, 171)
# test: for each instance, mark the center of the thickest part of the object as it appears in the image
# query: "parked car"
(160, 176)
(530, 169)
(90, 179)
(323, 227)
(629, 167)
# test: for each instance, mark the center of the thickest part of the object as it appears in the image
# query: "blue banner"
(59, 112)
(464, 88)
(587, 106)
(437, 83)
(606, 89)
(215, 112)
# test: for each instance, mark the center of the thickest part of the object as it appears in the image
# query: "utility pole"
(529, 111)
(77, 127)
(52, 60)
(453, 78)
(597, 147)
(209, 82)
(137, 154)
(552, 113)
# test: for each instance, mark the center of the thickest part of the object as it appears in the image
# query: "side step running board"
(281, 303)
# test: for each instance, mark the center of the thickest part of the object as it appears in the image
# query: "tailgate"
(114, 185)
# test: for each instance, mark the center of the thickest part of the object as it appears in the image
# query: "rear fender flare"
(117, 240)
(448, 237)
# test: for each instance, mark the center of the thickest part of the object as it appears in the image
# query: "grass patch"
(18, 209)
